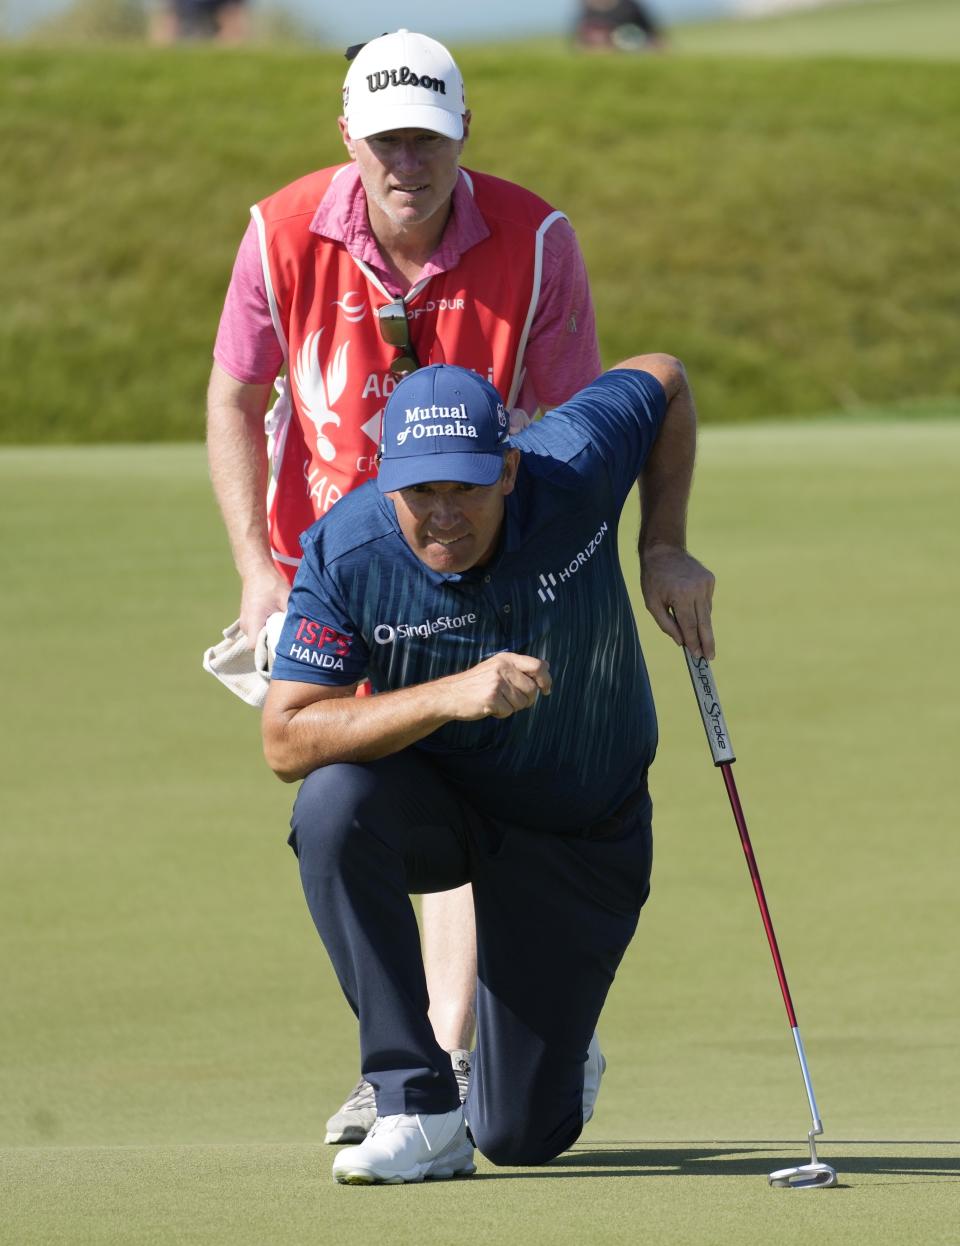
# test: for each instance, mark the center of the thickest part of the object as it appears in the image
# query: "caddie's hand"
(497, 687)
(263, 594)
(678, 592)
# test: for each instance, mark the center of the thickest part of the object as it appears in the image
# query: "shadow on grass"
(746, 1159)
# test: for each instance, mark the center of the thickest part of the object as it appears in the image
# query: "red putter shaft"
(726, 769)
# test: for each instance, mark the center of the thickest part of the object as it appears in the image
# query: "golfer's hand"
(678, 592)
(263, 594)
(497, 687)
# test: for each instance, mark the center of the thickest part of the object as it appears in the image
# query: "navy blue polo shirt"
(363, 604)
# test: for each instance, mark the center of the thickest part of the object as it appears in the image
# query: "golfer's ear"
(345, 135)
(511, 462)
(467, 118)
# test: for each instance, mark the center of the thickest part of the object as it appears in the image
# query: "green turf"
(612, 1194)
(171, 1038)
(926, 29)
(787, 226)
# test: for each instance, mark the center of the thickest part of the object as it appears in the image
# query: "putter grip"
(714, 723)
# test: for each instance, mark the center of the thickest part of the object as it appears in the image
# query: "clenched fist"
(496, 687)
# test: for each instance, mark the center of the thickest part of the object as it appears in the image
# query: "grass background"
(171, 1037)
(895, 29)
(784, 224)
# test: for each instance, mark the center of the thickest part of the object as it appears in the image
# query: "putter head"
(804, 1177)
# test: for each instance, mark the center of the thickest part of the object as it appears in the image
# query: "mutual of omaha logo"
(387, 633)
(404, 77)
(548, 581)
(425, 422)
(320, 645)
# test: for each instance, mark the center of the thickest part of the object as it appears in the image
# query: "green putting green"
(172, 1039)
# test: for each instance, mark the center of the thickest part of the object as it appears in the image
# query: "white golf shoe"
(408, 1148)
(593, 1072)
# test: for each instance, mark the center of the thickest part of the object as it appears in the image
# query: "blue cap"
(442, 423)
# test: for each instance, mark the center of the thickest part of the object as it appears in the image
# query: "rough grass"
(172, 1038)
(786, 226)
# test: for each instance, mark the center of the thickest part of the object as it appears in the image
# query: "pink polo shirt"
(561, 356)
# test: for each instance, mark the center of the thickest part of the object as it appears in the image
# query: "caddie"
(477, 585)
(345, 280)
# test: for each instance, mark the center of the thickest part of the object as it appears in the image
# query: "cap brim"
(407, 117)
(429, 469)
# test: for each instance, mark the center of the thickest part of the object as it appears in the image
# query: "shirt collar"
(341, 216)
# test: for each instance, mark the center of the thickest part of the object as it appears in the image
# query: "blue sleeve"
(620, 414)
(319, 643)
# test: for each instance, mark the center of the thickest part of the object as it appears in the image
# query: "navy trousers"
(554, 916)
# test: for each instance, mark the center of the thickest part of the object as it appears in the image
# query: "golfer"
(344, 281)
(477, 585)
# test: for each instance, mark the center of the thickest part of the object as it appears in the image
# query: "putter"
(815, 1175)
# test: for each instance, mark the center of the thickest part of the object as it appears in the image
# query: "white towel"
(243, 670)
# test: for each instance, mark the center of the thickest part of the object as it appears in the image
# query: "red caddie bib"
(324, 430)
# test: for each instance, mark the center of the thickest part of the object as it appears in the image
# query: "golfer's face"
(451, 526)
(408, 174)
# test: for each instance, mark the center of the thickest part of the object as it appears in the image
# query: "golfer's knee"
(325, 814)
(517, 1144)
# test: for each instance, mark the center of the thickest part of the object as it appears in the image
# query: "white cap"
(403, 81)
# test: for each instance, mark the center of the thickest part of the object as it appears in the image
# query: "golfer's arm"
(667, 475)
(306, 726)
(237, 455)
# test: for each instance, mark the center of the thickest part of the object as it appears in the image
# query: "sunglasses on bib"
(395, 331)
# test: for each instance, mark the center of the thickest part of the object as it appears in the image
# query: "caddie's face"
(450, 526)
(408, 175)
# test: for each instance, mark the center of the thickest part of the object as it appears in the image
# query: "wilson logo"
(403, 77)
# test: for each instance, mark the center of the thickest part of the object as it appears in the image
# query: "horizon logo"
(549, 584)
(550, 581)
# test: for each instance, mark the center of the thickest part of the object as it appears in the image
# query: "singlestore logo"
(387, 633)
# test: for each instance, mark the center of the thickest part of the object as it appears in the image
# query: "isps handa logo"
(320, 645)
